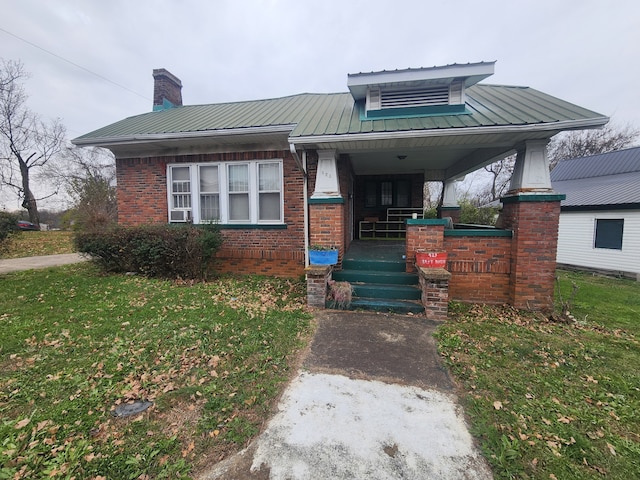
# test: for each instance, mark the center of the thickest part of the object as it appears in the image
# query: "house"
(281, 174)
(600, 218)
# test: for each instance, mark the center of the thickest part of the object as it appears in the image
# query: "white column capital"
(531, 171)
(327, 183)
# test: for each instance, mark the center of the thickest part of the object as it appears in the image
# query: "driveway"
(372, 401)
(45, 261)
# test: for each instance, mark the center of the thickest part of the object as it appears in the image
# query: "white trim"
(223, 190)
(144, 138)
(448, 132)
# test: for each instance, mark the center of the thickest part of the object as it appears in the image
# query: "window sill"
(254, 226)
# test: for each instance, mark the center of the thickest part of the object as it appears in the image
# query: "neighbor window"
(609, 233)
(229, 192)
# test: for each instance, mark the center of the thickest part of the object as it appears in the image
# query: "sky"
(91, 61)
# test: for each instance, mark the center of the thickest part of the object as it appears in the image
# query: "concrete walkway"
(30, 263)
(372, 401)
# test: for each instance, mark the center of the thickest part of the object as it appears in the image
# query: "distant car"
(24, 225)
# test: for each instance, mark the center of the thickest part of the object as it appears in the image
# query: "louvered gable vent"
(416, 97)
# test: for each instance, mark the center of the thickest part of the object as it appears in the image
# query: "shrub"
(7, 225)
(166, 251)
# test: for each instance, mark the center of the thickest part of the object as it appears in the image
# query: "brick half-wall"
(142, 198)
(480, 268)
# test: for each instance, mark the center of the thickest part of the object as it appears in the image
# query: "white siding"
(576, 241)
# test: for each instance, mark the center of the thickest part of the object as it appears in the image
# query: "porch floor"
(383, 250)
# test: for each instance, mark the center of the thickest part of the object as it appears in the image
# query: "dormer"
(416, 91)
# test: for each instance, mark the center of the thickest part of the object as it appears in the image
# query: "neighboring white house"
(600, 218)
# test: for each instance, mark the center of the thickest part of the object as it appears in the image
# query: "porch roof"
(496, 118)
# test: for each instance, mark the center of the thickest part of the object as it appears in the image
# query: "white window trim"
(194, 169)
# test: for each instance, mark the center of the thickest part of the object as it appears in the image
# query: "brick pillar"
(533, 219)
(434, 283)
(326, 224)
(317, 279)
(425, 235)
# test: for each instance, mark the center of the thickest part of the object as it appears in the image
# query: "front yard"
(551, 400)
(76, 343)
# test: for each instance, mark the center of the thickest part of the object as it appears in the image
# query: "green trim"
(546, 197)
(251, 226)
(427, 221)
(412, 112)
(478, 233)
(318, 201)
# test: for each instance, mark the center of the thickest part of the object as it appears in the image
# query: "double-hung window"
(226, 192)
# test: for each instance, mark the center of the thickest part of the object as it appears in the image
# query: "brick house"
(279, 175)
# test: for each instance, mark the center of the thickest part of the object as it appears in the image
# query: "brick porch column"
(533, 220)
(532, 212)
(327, 206)
(326, 224)
(427, 234)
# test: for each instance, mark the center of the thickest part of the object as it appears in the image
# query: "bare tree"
(501, 172)
(584, 143)
(26, 142)
(88, 177)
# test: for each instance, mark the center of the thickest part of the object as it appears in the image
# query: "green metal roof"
(310, 115)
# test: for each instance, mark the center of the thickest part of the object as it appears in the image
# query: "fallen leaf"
(22, 423)
(612, 450)
(497, 404)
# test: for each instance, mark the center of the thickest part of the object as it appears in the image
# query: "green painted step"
(384, 305)
(376, 265)
(399, 292)
(374, 276)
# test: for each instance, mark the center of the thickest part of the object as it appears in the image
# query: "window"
(209, 193)
(387, 193)
(239, 192)
(609, 233)
(180, 194)
(230, 192)
(269, 191)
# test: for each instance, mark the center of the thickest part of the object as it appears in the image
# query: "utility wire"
(74, 64)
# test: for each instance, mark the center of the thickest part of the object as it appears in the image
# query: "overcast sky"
(583, 51)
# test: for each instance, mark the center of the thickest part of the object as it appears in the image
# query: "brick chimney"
(167, 90)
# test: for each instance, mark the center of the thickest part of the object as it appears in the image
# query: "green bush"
(8, 224)
(470, 213)
(165, 251)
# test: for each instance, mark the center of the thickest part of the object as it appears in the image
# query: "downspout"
(302, 165)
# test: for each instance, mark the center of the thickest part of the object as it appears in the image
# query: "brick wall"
(142, 198)
(422, 237)
(480, 268)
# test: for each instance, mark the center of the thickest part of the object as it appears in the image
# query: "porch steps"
(381, 285)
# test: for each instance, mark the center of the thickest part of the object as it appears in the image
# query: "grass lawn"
(28, 244)
(550, 400)
(76, 343)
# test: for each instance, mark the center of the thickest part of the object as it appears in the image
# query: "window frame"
(605, 242)
(194, 213)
